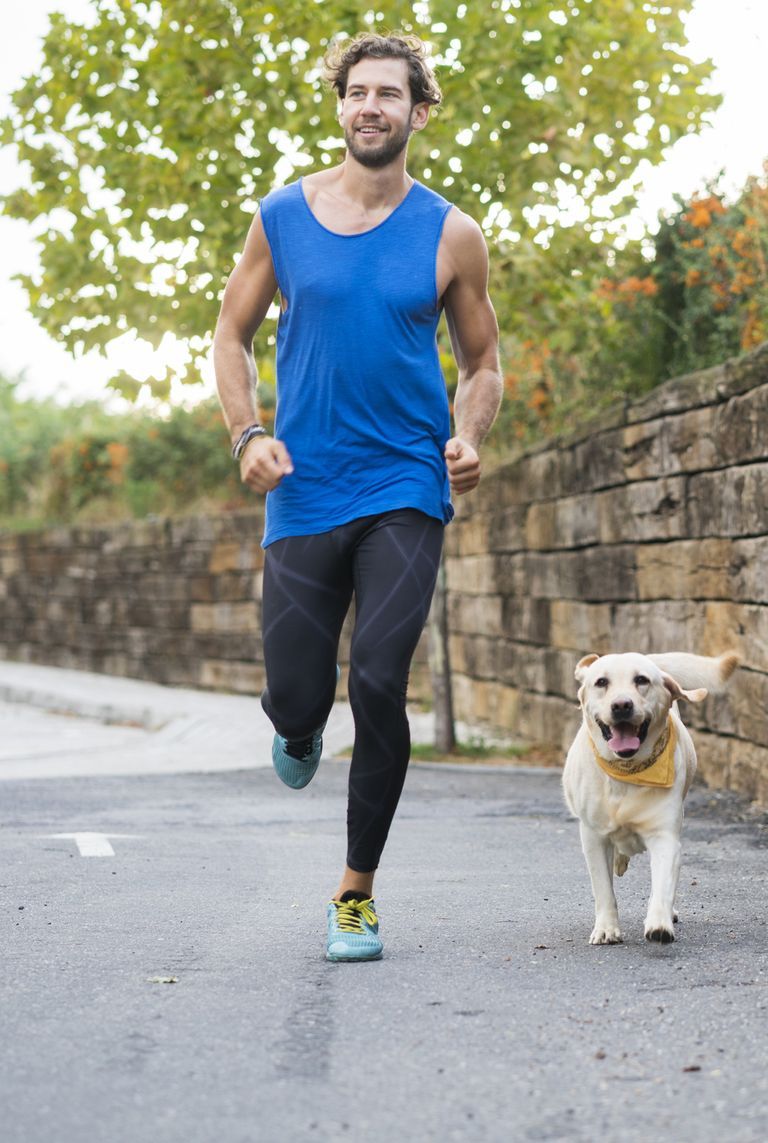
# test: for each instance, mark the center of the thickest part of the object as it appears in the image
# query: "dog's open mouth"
(624, 738)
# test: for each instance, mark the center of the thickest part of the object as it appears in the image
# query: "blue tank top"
(361, 400)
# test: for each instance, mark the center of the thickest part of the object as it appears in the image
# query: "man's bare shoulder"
(463, 243)
(460, 227)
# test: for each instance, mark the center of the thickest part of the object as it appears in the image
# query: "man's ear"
(677, 691)
(583, 666)
(419, 116)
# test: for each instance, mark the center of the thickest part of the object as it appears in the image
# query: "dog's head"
(626, 700)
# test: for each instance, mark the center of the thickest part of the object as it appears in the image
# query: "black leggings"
(390, 563)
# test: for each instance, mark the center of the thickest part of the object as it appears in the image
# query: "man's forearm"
(476, 404)
(236, 382)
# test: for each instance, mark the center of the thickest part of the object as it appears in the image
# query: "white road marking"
(92, 844)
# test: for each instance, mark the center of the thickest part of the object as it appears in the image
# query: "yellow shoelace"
(351, 914)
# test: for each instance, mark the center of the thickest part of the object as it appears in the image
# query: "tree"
(711, 269)
(151, 133)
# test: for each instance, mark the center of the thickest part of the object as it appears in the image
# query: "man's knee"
(372, 679)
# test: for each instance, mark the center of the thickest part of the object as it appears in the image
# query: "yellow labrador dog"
(629, 770)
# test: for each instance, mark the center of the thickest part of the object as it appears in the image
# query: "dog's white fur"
(619, 819)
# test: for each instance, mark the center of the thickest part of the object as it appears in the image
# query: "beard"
(381, 154)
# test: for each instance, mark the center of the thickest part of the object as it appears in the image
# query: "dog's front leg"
(598, 852)
(665, 869)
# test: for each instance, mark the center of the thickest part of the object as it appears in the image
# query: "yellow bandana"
(658, 770)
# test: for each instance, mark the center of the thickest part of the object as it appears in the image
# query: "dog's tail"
(692, 671)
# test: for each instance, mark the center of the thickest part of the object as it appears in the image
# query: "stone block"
(547, 719)
(594, 463)
(692, 391)
(166, 586)
(733, 502)
(582, 628)
(526, 619)
(195, 531)
(470, 536)
(703, 627)
(480, 656)
(739, 429)
(484, 703)
(532, 476)
(153, 614)
(224, 617)
(647, 510)
(509, 574)
(749, 570)
(218, 645)
(749, 771)
(572, 522)
(506, 531)
(235, 556)
(599, 574)
(713, 756)
(742, 710)
(234, 587)
(240, 678)
(200, 588)
(677, 444)
(475, 614)
(472, 574)
(686, 569)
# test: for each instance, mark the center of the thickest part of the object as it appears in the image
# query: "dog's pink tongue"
(623, 739)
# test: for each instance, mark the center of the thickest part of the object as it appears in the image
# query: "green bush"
(81, 462)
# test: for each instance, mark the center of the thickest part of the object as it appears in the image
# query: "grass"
(478, 750)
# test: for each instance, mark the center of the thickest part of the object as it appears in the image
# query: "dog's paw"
(606, 935)
(659, 935)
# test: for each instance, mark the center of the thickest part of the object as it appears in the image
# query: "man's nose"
(371, 105)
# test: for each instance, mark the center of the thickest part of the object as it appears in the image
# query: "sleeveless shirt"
(361, 400)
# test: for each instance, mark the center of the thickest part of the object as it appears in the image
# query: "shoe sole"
(352, 959)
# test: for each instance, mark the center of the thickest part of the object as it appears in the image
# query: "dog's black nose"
(622, 708)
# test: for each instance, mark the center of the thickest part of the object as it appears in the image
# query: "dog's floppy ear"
(677, 691)
(583, 666)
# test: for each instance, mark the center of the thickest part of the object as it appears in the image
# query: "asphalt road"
(176, 989)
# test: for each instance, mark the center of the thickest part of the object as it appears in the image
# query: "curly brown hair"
(344, 54)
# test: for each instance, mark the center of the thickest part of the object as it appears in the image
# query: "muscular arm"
(474, 337)
(248, 295)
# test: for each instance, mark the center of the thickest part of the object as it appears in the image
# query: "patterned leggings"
(389, 562)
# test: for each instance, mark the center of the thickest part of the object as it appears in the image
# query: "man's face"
(377, 114)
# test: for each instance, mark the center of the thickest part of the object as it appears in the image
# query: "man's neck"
(374, 188)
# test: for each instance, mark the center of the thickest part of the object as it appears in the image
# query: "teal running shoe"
(353, 928)
(296, 762)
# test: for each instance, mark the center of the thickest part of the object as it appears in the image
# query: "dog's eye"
(641, 681)
(601, 682)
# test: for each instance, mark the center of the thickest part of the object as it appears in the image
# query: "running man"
(359, 474)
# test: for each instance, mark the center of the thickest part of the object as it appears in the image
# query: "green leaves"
(159, 126)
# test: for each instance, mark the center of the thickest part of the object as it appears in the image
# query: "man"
(359, 474)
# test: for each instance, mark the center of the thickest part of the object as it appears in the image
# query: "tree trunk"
(440, 667)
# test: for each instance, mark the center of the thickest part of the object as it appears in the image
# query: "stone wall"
(174, 601)
(648, 531)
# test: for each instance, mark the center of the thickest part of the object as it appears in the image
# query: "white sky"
(733, 32)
